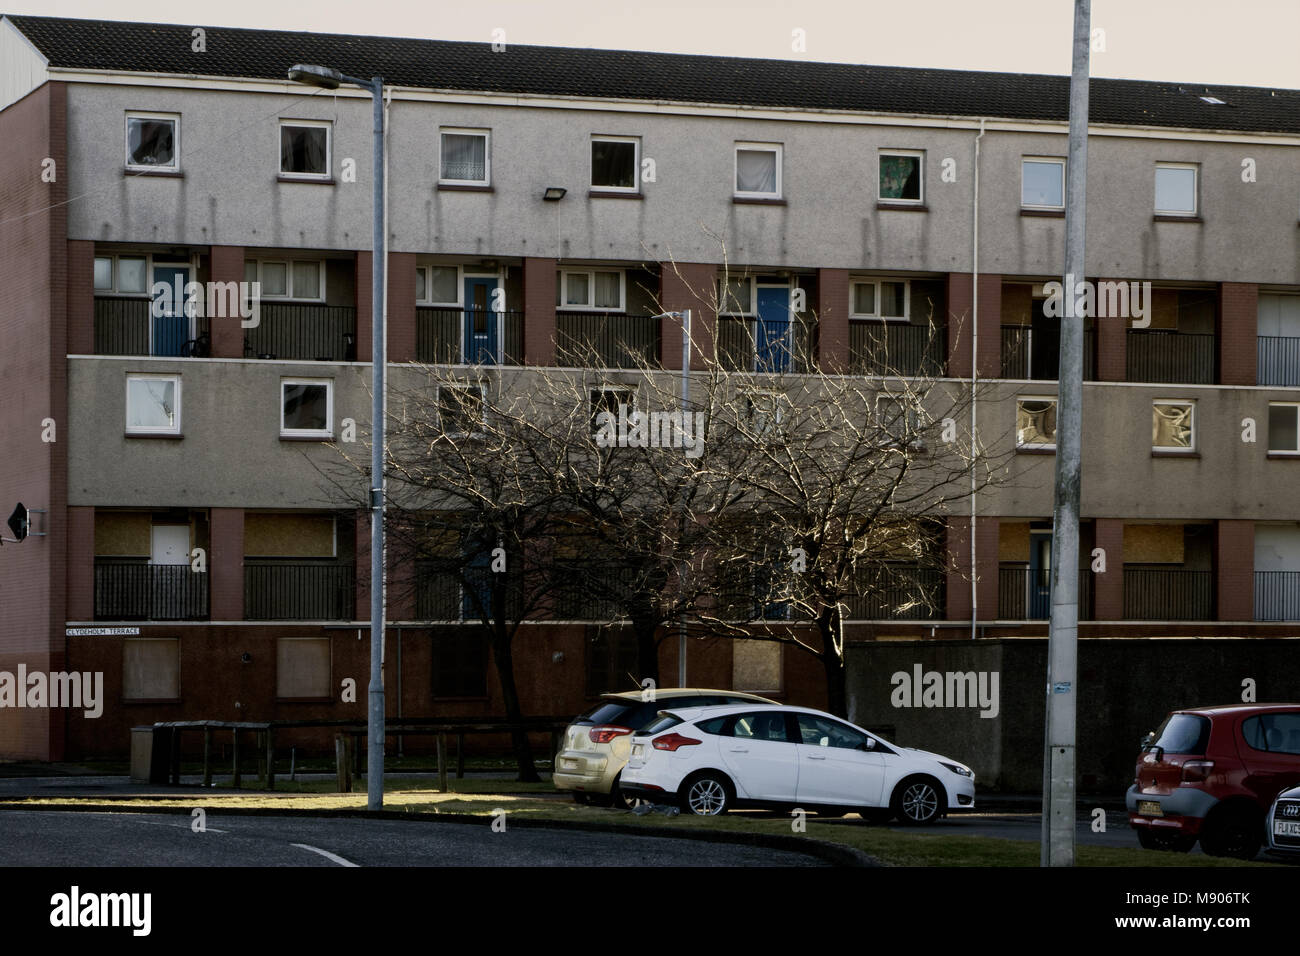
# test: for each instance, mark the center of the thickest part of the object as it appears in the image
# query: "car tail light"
(1194, 771)
(607, 732)
(671, 742)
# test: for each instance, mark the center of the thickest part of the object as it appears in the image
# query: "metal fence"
(138, 591)
(1278, 360)
(325, 333)
(1168, 594)
(899, 593)
(1156, 355)
(897, 348)
(299, 591)
(438, 335)
(788, 347)
(1277, 595)
(616, 339)
(122, 327)
(1024, 594)
(1026, 356)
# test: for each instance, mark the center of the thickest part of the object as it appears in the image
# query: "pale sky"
(1246, 43)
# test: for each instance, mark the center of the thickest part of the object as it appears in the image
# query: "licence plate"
(638, 749)
(569, 763)
(1289, 828)
(1150, 808)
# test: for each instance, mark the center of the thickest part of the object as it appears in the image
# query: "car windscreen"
(1183, 734)
(623, 713)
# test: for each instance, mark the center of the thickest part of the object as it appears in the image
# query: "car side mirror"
(1148, 740)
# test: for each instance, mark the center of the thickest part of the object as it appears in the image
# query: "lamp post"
(684, 317)
(331, 79)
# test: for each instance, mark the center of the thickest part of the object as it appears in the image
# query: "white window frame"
(329, 149)
(328, 430)
(487, 155)
(779, 402)
(175, 119)
(1176, 449)
(482, 395)
(1020, 399)
(877, 281)
(605, 388)
(115, 256)
(153, 429)
(910, 153)
(753, 296)
(913, 421)
(778, 149)
(636, 164)
(1285, 451)
(1196, 190)
(290, 292)
(428, 267)
(1047, 160)
(563, 287)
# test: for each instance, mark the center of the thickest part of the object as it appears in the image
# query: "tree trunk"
(831, 625)
(504, 659)
(647, 648)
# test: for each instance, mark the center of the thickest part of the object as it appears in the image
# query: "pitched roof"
(619, 74)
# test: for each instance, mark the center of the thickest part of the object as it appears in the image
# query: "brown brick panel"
(688, 285)
(1108, 588)
(81, 564)
(833, 320)
(365, 314)
(1234, 561)
(539, 311)
(986, 557)
(1112, 345)
(81, 297)
(961, 318)
(1236, 339)
(226, 564)
(227, 331)
(400, 319)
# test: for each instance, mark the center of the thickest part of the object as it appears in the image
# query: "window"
(304, 149)
(758, 171)
(124, 275)
(900, 420)
(302, 668)
(151, 668)
(464, 157)
(302, 279)
(608, 398)
(1042, 183)
(879, 299)
(736, 295)
(1284, 428)
(765, 725)
(459, 663)
(1176, 189)
(460, 409)
(599, 291)
(1173, 425)
(1036, 423)
(1275, 733)
(764, 412)
(306, 408)
(817, 731)
(153, 404)
(756, 665)
(615, 163)
(437, 285)
(902, 177)
(153, 141)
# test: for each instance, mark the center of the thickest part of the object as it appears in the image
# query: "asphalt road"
(54, 838)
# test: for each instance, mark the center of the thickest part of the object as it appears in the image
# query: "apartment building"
(542, 200)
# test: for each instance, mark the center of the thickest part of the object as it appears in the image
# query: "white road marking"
(327, 854)
(135, 817)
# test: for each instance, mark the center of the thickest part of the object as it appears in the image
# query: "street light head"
(554, 193)
(313, 75)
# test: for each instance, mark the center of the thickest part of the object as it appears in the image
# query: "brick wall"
(400, 320)
(833, 320)
(365, 311)
(961, 319)
(1108, 588)
(1112, 345)
(539, 311)
(959, 578)
(226, 564)
(1234, 562)
(688, 285)
(1236, 338)
(81, 297)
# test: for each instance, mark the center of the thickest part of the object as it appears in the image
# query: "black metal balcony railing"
(1029, 356)
(617, 339)
(441, 595)
(777, 347)
(1168, 594)
(1024, 594)
(324, 333)
(440, 332)
(299, 591)
(1277, 595)
(138, 591)
(900, 594)
(599, 593)
(128, 327)
(1278, 360)
(884, 348)
(1156, 355)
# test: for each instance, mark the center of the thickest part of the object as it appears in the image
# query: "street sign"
(18, 522)
(101, 631)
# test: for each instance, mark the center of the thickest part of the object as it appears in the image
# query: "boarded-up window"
(288, 536)
(1013, 541)
(151, 668)
(302, 668)
(1153, 544)
(460, 663)
(123, 533)
(755, 665)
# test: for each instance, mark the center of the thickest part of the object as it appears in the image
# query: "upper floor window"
(437, 285)
(460, 409)
(607, 404)
(153, 141)
(153, 404)
(1176, 189)
(1036, 423)
(1042, 183)
(902, 176)
(1173, 425)
(465, 159)
(736, 295)
(302, 279)
(125, 275)
(305, 149)
(616, 163)
(879, 299)
(597, 290)
(1284, 428)
(758, 170)
(306, 408)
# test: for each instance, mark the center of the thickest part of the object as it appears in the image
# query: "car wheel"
(1172, 842)
(707, 794)
(619, 799)
(918, 801)
(579, 797)
(1232, 832)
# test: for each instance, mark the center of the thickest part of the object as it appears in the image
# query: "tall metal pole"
(681, 571)
(1059, 804)
(375, 724)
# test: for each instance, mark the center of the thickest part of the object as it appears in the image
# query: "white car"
(1283, 824)
(711, 759)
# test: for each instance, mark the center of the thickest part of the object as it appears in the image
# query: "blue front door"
(1040, 575)
(480, 321)
(171, 322)
(772, 333)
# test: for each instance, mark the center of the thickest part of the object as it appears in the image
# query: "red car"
(1211, 773)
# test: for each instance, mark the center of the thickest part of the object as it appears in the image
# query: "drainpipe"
(974, 370)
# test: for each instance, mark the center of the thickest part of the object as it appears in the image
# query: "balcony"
(1168, 594)
(441, 596)
(439, 334)
(298, 591)
(127, 590)
(897, 348)
(1278, 360)
(1277, 595)
(1029, 353)
(750, 345)
(598, 593)
(319, 333)
(1166, 356)
(1024, 593)
(900, 593)
(126, 327)
(618, 340)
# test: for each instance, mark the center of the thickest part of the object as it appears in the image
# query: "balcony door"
(169, 575)
(480, 320)
(773, 336)
(1040, 575)
(171, 320)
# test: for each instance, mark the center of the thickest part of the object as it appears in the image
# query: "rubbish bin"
(141, 753)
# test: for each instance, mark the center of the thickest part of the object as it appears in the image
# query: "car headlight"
(957, 769)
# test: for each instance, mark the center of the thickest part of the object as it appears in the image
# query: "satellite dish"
(18, 523)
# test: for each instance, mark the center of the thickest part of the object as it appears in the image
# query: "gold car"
(596, 745)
